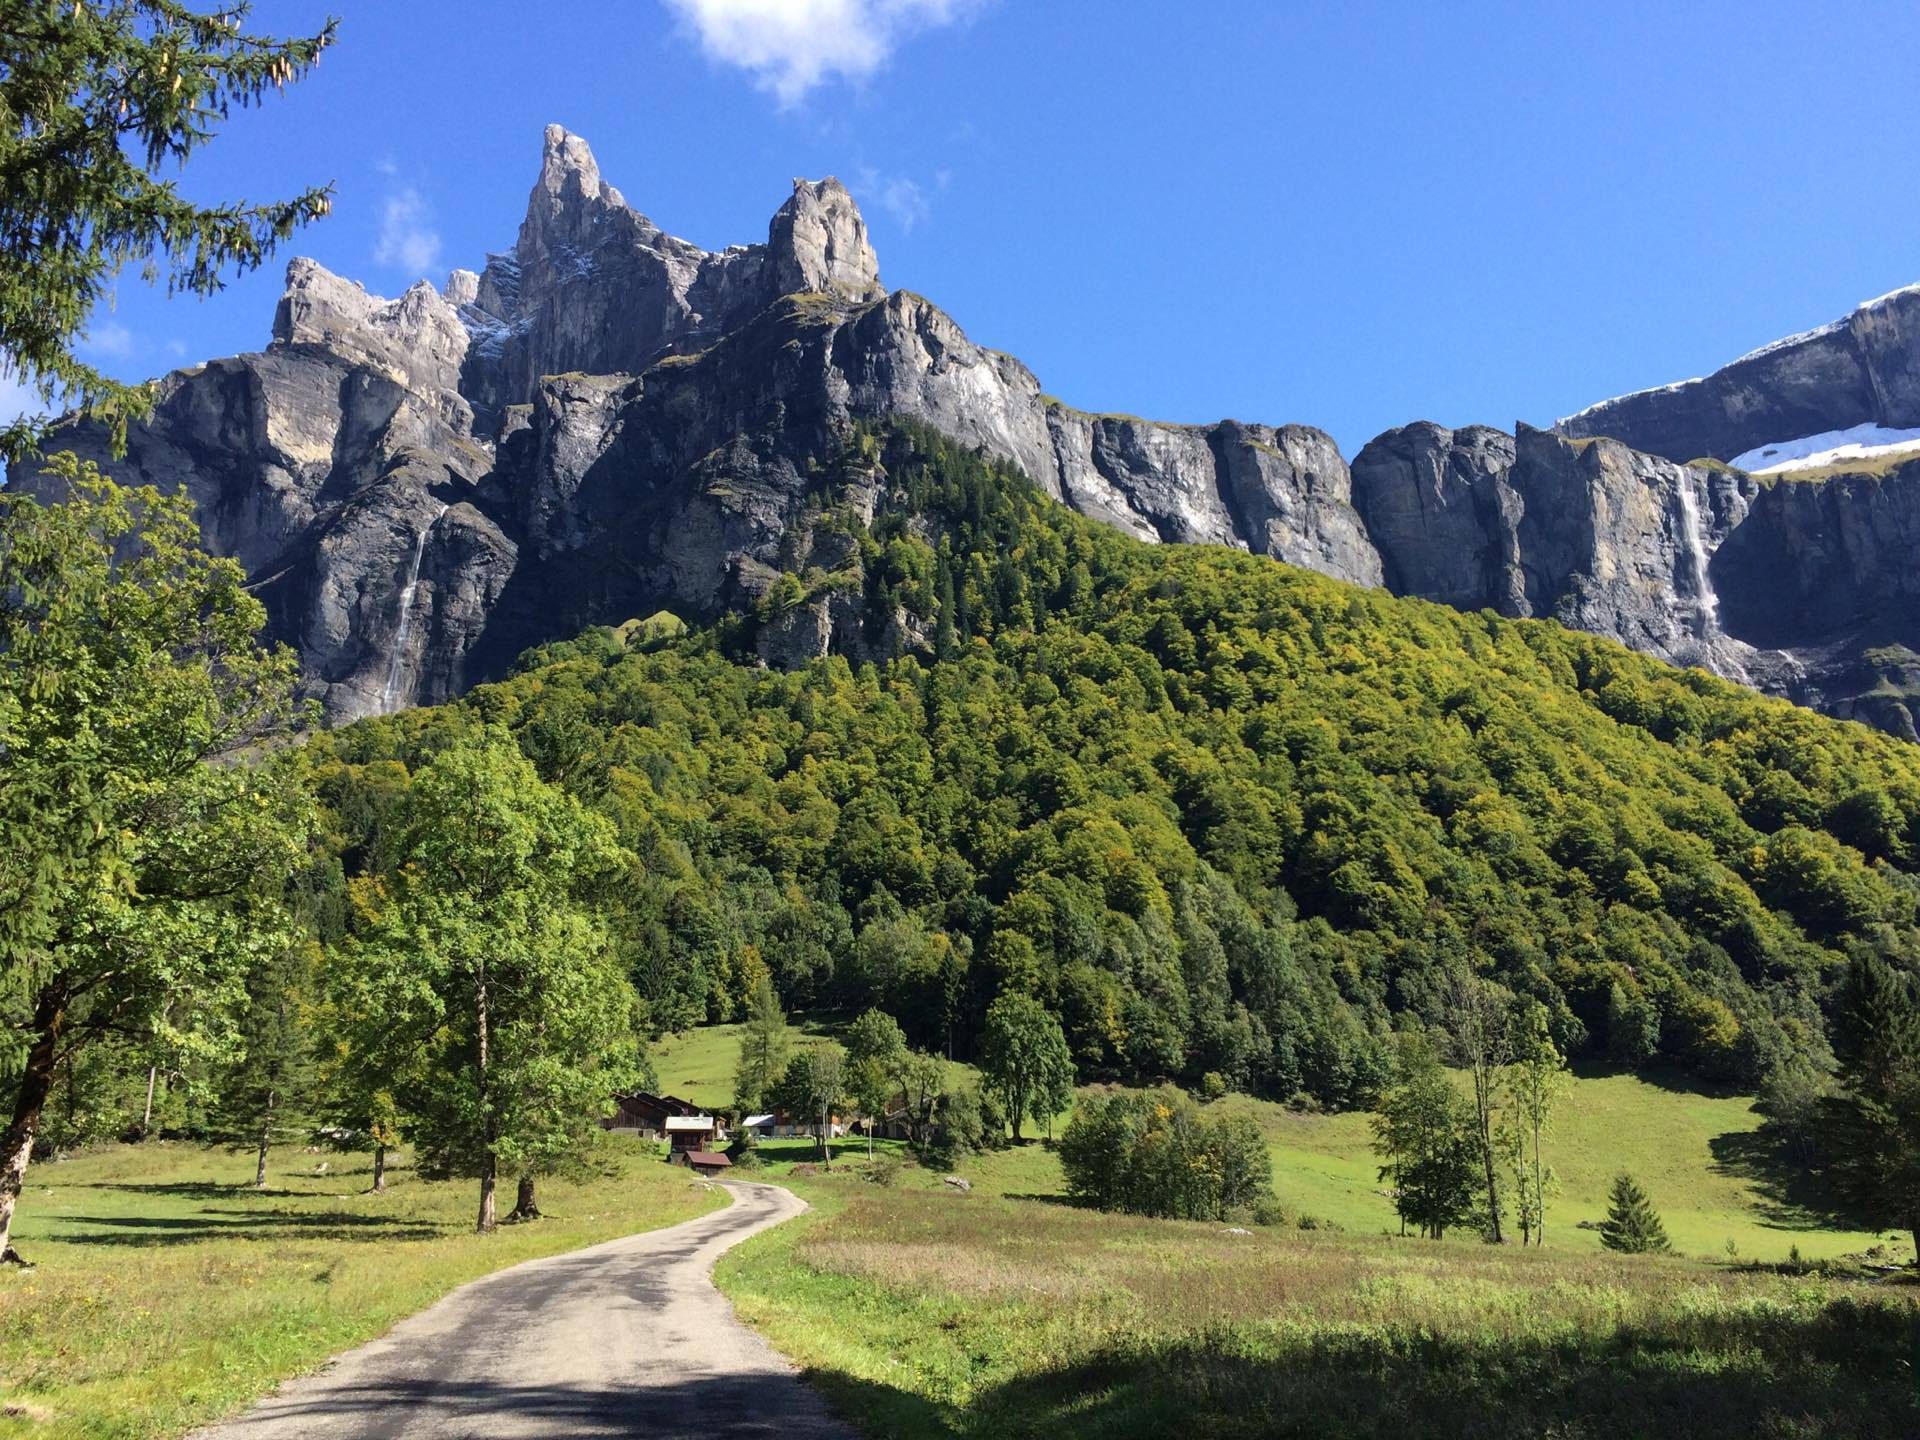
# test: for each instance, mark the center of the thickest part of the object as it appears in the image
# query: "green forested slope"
(1224, 815)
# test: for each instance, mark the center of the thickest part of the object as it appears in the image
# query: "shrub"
(1153, 1152)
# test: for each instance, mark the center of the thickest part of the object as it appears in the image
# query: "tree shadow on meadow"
(1709, 1377)
(216, 1224)
(1789, 1193)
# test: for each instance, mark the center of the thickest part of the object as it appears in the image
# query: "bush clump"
(1154, 1152)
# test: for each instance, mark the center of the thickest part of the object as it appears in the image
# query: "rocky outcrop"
(608, 422)
(1862, 370)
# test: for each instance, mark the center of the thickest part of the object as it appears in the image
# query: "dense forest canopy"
(1220, 814)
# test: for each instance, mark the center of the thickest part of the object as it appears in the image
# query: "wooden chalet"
(646, 1115)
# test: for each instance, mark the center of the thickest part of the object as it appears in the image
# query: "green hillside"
(1221, 814)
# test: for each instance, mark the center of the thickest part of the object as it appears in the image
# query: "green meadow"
(168, 1292)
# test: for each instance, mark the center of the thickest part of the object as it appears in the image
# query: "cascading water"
(1706, 604)
(404, 632)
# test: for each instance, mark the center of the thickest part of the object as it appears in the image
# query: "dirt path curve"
(629, 1338)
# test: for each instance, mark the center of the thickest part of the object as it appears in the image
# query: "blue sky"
(1350, 216)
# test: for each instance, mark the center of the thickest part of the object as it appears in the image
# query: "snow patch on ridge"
(1809, 452)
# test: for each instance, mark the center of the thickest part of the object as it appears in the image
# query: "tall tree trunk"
(266, 1136)
(1483, 1104)
(489, 1165)
(36, 1083)
(826, 1150)
(146, 1119)
(1539, 1191)
(525, 1206)
(379, 1169)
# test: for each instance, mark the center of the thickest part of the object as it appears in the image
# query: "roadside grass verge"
(943, 1314)
(167, 1292)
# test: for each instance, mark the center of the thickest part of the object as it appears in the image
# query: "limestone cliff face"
(607, 421)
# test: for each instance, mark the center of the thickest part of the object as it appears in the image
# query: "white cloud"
(790, 46)
(111, 339)
(407, 238)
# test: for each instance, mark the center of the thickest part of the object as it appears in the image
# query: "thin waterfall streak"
(403, 633)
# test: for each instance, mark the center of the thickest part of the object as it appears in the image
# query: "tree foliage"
(1156, 1153)
(139, 884)
(97, 101)
(1632, 1226)
(1873, 1133)
(1426, 1134)
(1023, 1054)
(495, 973)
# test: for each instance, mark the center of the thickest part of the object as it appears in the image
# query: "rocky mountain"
(606, 421)
(1860, 371)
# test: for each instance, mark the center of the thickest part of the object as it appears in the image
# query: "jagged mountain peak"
(608, 421)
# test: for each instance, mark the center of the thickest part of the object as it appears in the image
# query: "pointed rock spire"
(569, 195)
(818, 241)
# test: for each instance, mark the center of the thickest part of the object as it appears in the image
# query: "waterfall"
(1706, 603)
(404, 632)
(1719, 653)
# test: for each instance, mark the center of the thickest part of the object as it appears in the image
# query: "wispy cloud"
(790, 46)
(407, 237)
(113, 340)
(902, 197)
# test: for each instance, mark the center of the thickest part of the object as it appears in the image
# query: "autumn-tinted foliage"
(1218, 813)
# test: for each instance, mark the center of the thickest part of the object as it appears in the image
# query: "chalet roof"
(708, 1160)
(754, 1120)
(689, 1122)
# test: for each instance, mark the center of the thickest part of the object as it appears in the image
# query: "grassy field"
(1004, 1311)
(1696, 1152)
(924, 1312)
(168, 1292)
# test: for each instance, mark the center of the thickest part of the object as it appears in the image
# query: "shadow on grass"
(1709, 1377)
(142, 1230)
(1788, 1193)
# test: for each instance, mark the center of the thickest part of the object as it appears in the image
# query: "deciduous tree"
(1423, 1132)
(134, 872)
(495, 971)
(1024, 1055)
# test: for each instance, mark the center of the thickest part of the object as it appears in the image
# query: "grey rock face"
(1864, 369)
(1437, 504)
(608, 422)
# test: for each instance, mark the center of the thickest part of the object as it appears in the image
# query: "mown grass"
(942, 1314)
(167, 1292)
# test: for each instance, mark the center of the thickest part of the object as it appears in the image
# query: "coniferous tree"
(269, 1086)
(1632, 1226)
(1874, 1130)
(100, 100)
(766, 1041)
